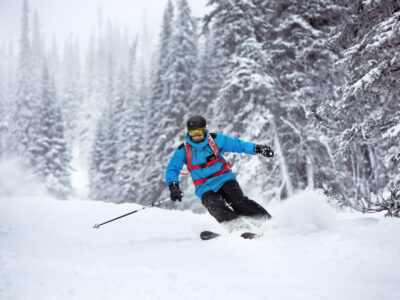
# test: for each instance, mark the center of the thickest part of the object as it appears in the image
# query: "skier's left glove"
(264, 150)
(175, 192)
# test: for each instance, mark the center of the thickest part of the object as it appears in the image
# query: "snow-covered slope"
(49, 250)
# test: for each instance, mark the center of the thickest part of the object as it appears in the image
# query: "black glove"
(264, 150)
(175, 192)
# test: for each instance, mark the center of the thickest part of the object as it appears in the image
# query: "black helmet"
(196, 122)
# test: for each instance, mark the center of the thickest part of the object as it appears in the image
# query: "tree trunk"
(286, 181)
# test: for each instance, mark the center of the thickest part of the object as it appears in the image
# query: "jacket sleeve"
(175, 166)
(228, 144)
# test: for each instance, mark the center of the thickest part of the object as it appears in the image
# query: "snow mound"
(49, 250)
(304, 213)
(17, 181)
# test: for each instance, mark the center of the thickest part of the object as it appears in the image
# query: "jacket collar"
(199, 145)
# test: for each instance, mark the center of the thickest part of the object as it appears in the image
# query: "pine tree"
(241, 108)
(209, 79)
(158, 81)
(96, 87)
(51, 154)
(180, 75)
(111, 122)
(37, 62)
(162, 55)
(301, 60)
(71, 96)
(25, 108)
(153, 174)
(37, 58)
(177, 87)
(97, 180)
(54, 63)
(109, 96)
(3, 115)
(275, 55)
(90, 110)
(366, 120)
(8, 101)
(130, 145)
(107, 144)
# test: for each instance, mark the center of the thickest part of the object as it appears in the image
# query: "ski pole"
(97, 226)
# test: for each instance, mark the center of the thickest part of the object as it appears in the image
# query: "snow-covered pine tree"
(104, 156)
(306, 79)
(3, 115)
(152, 167)
(89, 66)
(241, 109)
(54, 63)
(37, 62)
(158, 82)
(366, 117)
(2, 71)
(117, 122)
(183, 58)
(130, 141)
(71, 94)
(105, 102)
(97, 182)
(142, 115)
(8, 101)
(102, 47)
(112, 119)
(208, 80)
(11, 62)
(100, 109)
(180, 74)
(276, 54)
(106, 146)
(178, 84)
(92, 104)
(294, 35)
(162, 62)
(24, 110)
(52, 155)
(37, 57)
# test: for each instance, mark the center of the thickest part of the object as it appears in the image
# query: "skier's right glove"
(175, 192)
(264, 150)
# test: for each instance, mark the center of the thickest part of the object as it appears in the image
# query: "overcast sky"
(60, 18)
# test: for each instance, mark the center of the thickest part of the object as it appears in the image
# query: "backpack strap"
(225, 169)
(213, 147)
(189, 157)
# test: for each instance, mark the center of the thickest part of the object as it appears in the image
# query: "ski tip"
(249, 235)
(96, 226)
(208, 235)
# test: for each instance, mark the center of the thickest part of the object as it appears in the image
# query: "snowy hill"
(49, 250)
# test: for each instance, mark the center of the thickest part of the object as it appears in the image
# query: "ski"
(208, 235)
(249, 235)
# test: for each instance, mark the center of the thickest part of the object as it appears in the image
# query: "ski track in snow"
(49, 250)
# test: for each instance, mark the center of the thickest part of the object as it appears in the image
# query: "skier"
(215, 184)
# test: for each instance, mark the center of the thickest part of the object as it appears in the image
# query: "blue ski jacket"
(200, 152)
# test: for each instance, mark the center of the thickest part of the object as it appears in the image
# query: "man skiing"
(214, 181)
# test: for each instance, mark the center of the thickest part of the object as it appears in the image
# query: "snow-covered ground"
(49, 250)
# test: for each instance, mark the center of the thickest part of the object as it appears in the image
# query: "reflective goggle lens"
(196, 132)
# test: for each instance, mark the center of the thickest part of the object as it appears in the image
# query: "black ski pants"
(229, 203)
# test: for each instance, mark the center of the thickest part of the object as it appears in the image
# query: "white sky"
(60, 18)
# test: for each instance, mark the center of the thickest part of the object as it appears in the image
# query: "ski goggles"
(197, 132)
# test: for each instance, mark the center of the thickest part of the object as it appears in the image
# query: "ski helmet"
(195, 122)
